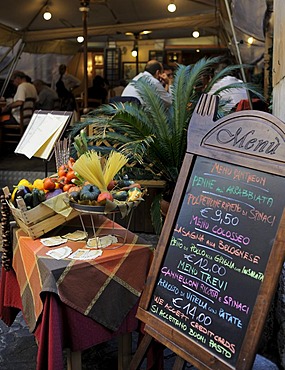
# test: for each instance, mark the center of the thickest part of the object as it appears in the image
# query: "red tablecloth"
(47, 291)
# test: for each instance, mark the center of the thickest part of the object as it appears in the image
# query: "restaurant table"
(71, 303)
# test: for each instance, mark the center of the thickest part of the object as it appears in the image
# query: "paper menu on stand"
(44, 129)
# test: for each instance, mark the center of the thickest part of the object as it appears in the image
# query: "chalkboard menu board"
(221, 250)
(216, 259)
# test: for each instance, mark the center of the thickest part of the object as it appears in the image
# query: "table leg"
(179, 363)
(73, 360)
(124, 351)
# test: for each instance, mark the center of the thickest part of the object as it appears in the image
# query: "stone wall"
(278, 78)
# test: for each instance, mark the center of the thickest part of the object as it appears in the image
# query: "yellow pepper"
(26, 183)
(38, 184)
(23, 182)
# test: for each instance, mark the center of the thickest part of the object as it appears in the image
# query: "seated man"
(24, 90)
(154, 71)
(47, 96)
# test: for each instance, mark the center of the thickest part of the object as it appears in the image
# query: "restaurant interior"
(100, 37)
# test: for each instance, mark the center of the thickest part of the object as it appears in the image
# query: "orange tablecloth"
(104, 289)
(74, 304)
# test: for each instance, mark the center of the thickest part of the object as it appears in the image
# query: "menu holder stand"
(41, 134)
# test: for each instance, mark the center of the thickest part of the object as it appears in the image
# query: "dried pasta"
(89, 166)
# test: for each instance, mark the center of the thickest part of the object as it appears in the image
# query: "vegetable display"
(36, 192)
(100, 183)
(91, 180)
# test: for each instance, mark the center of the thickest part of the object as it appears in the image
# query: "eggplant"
(21, 192)
(124, 183)
(53, 193)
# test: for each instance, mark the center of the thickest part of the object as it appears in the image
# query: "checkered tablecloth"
(104, 289)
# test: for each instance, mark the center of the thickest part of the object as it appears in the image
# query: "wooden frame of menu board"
(221, 250)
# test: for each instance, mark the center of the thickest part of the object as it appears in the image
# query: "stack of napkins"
(53, 241)
(60, 253)
(80, 254)
(101, 242)
(85, 254)
(76, 235)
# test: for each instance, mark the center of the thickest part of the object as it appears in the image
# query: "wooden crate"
(39, 220)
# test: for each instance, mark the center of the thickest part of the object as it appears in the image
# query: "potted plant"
(153, 136)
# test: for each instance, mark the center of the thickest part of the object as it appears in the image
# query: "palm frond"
(152, 133)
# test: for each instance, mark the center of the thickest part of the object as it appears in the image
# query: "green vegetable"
(38, 196)
(89, 192)
(42, 195)
(28, 199)
(120, 195)
(75, 195)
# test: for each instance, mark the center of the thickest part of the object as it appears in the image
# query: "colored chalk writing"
(218, 251)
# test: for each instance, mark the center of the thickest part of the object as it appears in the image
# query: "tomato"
(62, 171)
(49, 183)
(62, 180)
(67, 187)
(112, 184)
(102, 197)
(71, 162)
(70, 175)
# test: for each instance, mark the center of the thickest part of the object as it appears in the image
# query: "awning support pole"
(12, 67)
(237, 50)
(84, 8)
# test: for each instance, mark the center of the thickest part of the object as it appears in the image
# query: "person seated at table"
(46, 95)
(169, 72)
(117, 90)
(232, 96)
(154, 73)
(11, 112)
(97, 91)
(64, 88)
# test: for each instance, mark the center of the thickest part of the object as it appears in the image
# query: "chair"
(56, 104)
(12, 133)
(94, 103)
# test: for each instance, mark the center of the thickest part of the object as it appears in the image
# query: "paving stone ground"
(18, 351)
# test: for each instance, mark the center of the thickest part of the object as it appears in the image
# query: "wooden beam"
(199, 20)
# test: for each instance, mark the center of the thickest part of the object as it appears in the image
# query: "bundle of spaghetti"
(88, 166)
(114, 163)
